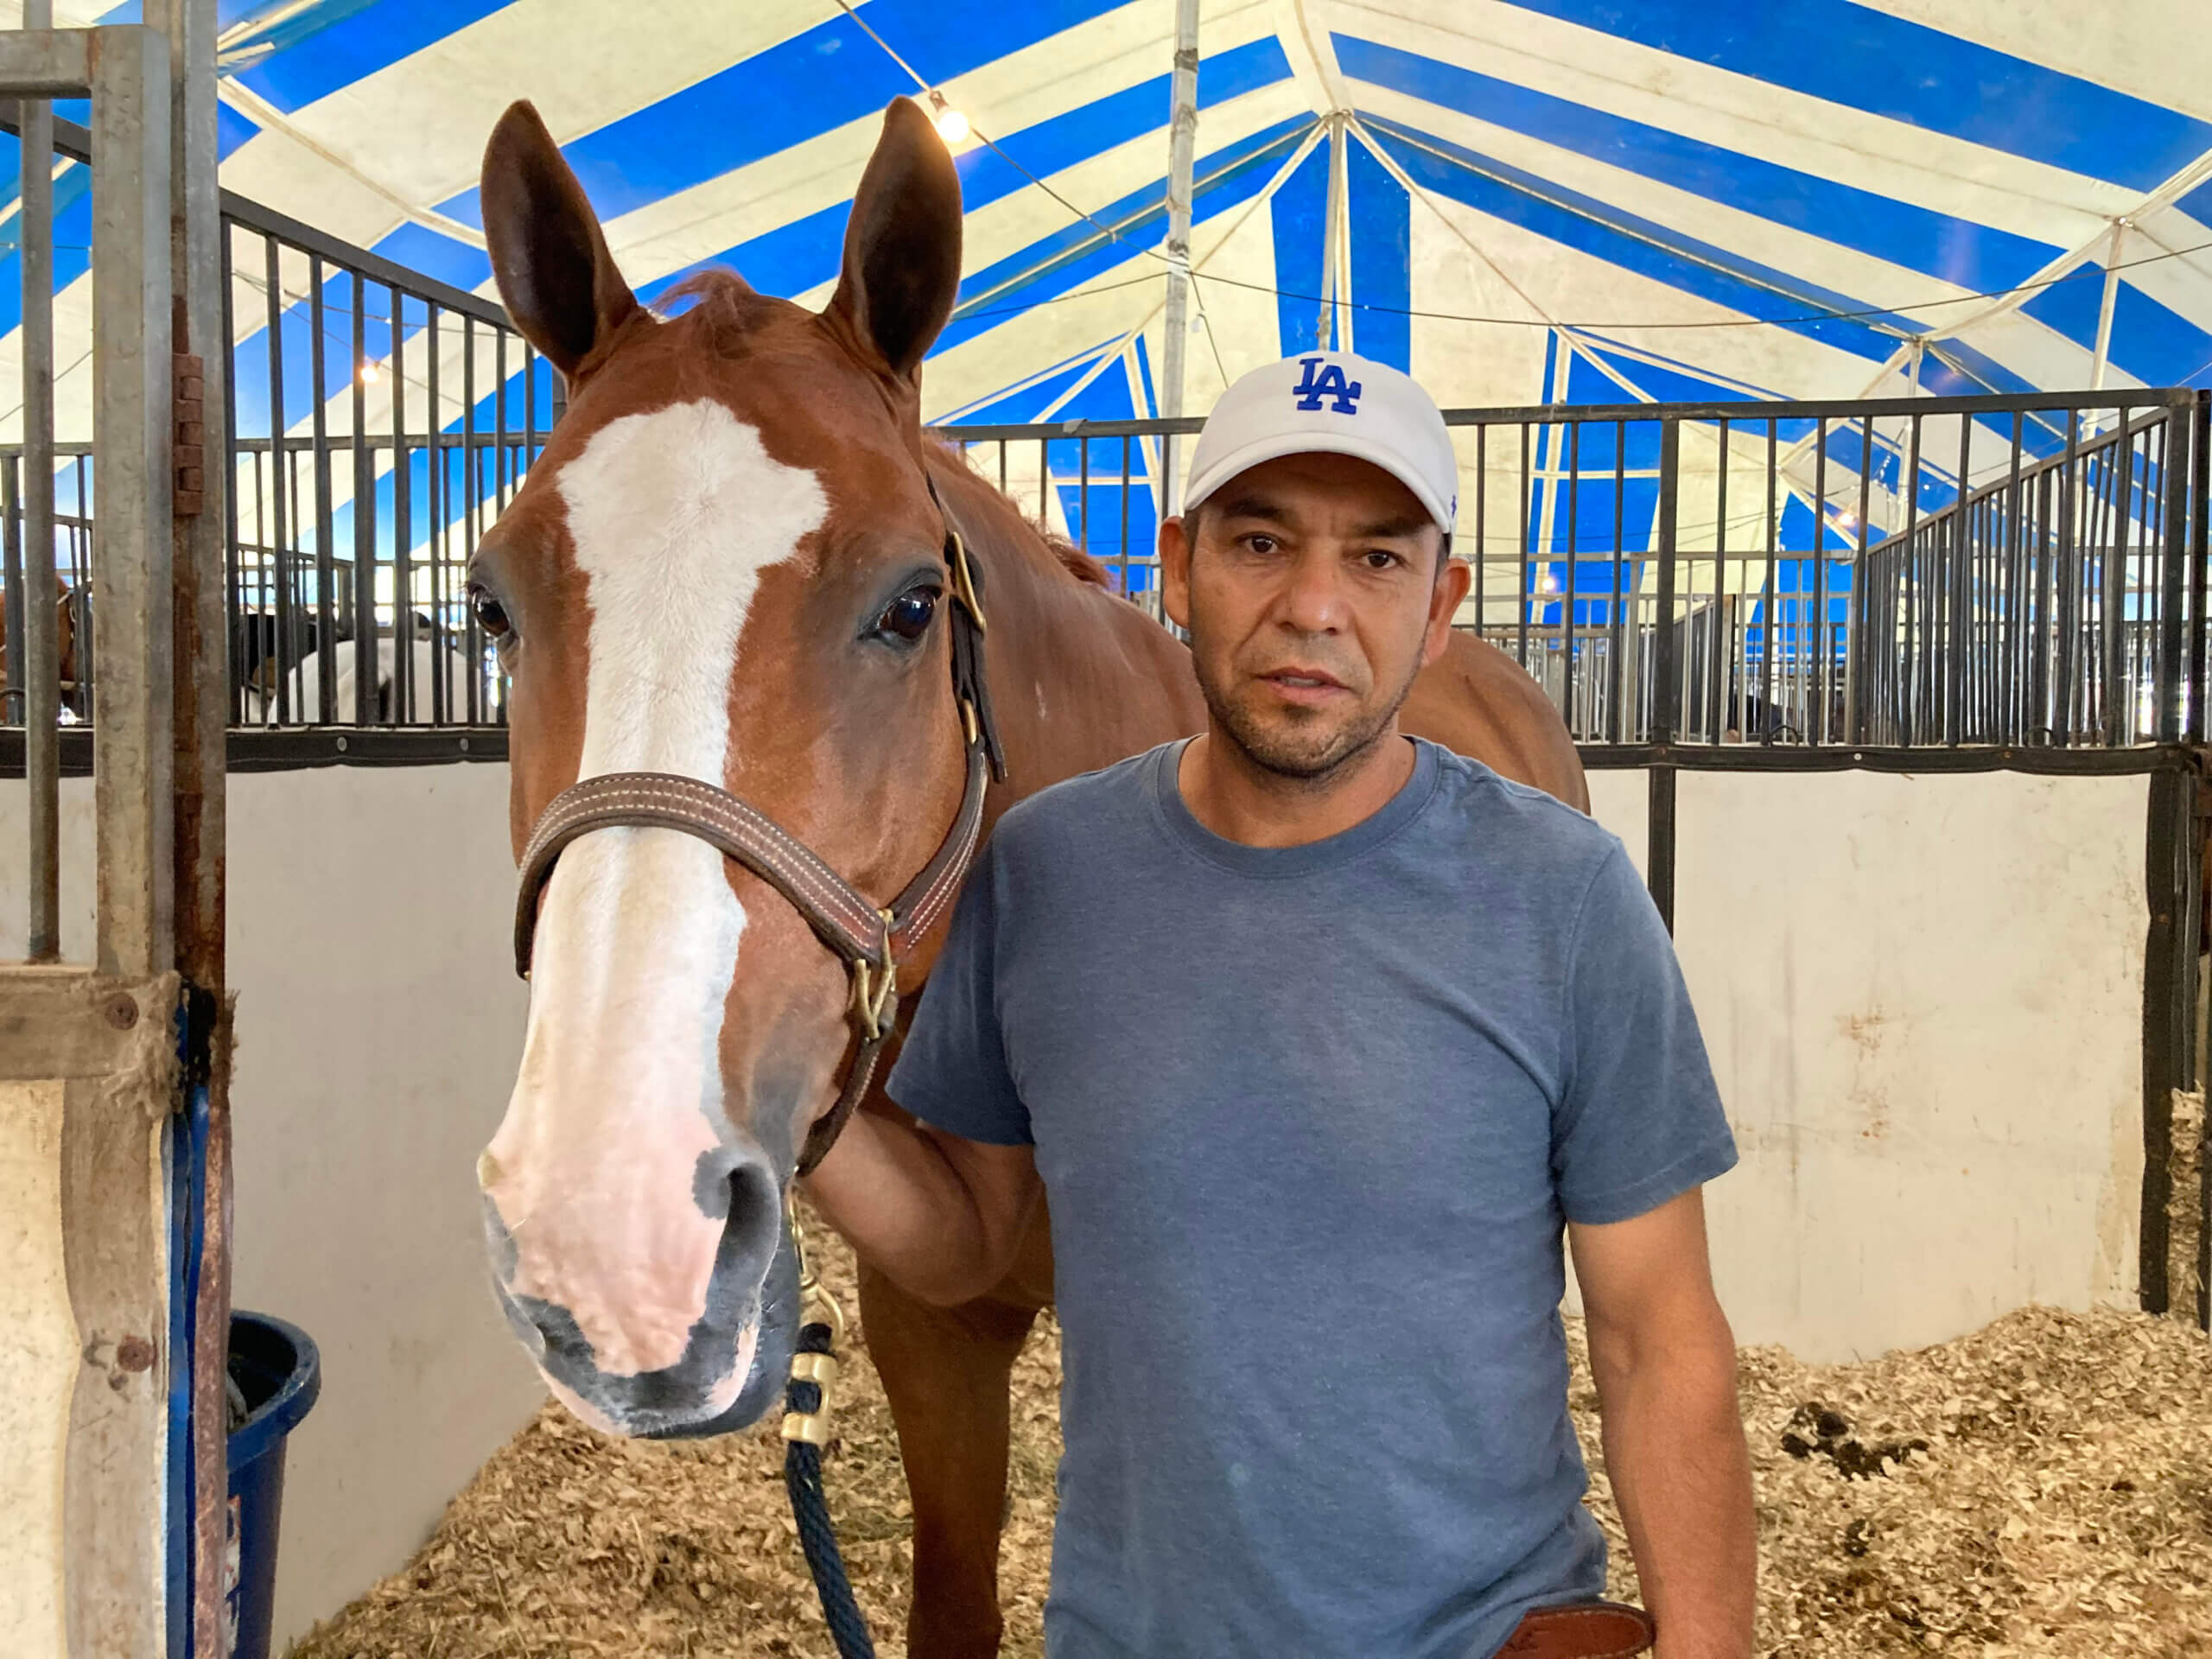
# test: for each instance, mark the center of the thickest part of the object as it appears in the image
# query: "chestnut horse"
(729, 564)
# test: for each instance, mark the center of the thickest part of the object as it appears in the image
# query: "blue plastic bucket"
(277, 1368)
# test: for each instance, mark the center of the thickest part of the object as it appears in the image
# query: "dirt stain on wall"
(1869, 1092)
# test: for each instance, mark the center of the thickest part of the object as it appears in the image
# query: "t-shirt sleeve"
(1640, 1120)
(952, 1070)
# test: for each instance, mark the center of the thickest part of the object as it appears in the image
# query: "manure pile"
(2042, 1486)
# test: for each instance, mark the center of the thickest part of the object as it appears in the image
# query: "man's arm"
(941, 1215)
(1664, 1362)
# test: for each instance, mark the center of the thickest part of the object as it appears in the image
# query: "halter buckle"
(876, 987)
(963, 579)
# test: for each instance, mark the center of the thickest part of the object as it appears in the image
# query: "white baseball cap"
(1332, 402)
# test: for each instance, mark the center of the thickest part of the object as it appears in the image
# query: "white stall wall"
(1923, 995)
(380, 1021)
(1622, 801)
(1923, 999)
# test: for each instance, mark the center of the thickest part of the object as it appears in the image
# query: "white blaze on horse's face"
(616, 1153)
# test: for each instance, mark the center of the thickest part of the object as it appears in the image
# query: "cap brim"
(1276, 447)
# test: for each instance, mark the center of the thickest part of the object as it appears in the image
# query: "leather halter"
(871, 939)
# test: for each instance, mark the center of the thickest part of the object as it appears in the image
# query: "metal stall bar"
(1818, 726)
(1125, 516)
(2119, 706)
(326, 567)
(2173, 548)
(434, 463)
(366, 667)
(1613, 732)
(1956, 633)
(273, 529)
(41, 594)
(1717, 687)
(1482, 525)
(402, 568)
(2009, 725)
(2058, 689)
(220, 473)
(1523, 536)
(471, 497)
(12, 591)
(2196, 550)
(1659, 859)
(1770, 630)
(1573, 436)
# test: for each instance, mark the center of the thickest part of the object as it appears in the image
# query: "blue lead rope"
(806, 1432)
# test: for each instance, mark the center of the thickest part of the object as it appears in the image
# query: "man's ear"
(1174, 546)
(1453, 577)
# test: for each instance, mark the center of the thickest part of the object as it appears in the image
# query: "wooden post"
(88, 1053)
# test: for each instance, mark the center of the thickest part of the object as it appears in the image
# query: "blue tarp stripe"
(1884, 66)
(799, 89)
(1975, 256)
(1622, 239)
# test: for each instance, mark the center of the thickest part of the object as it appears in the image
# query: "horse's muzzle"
(731, 1373)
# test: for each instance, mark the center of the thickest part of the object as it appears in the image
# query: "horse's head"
(726, 565)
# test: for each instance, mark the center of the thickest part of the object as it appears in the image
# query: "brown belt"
(1580, 1630)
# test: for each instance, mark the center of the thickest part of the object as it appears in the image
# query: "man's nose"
(1313, 599)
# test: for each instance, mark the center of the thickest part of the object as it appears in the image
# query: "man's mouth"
(1303, 686)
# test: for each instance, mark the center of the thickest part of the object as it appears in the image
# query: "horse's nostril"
(753, 1222)
(487, 1171)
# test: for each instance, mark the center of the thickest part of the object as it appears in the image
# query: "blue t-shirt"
(1308, 1119)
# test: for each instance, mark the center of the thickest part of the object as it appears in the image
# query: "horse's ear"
(556, 277)
(902, 245)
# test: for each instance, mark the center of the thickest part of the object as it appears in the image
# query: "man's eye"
(1262, 543)
(491, 615)
(1378, 560)
(908, 616)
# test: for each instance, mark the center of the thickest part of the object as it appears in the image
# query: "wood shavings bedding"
(2041, 1487)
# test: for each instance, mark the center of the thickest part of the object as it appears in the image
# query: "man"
(1313, 1033)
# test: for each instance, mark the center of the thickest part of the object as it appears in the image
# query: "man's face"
(1313, 596)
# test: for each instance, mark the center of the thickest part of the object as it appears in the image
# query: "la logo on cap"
(1326, 382)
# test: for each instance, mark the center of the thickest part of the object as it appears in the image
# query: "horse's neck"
(1080, 677)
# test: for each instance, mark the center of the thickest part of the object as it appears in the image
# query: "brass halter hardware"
(815, 1306)
(870, 939)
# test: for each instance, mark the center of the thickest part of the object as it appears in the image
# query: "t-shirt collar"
(1182, 826)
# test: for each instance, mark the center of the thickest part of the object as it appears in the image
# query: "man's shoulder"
(1521, 817)
(1510, 848)
(1082, 808)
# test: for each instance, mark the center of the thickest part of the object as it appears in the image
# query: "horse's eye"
(491, 615)
(909, 615)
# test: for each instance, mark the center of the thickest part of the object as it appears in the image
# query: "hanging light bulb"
(369, 373)
(952, 125)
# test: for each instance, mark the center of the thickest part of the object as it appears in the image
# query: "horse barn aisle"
(2042, 1486)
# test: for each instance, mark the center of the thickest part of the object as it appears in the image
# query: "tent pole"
(1175, 330)
(2105, 310)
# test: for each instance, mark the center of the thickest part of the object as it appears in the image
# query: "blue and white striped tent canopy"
(1521, 201)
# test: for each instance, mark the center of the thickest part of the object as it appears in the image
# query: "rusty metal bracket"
(188, 380)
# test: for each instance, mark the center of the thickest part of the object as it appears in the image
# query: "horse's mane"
(1083, 566)
(1013, 524)
(721, 301)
